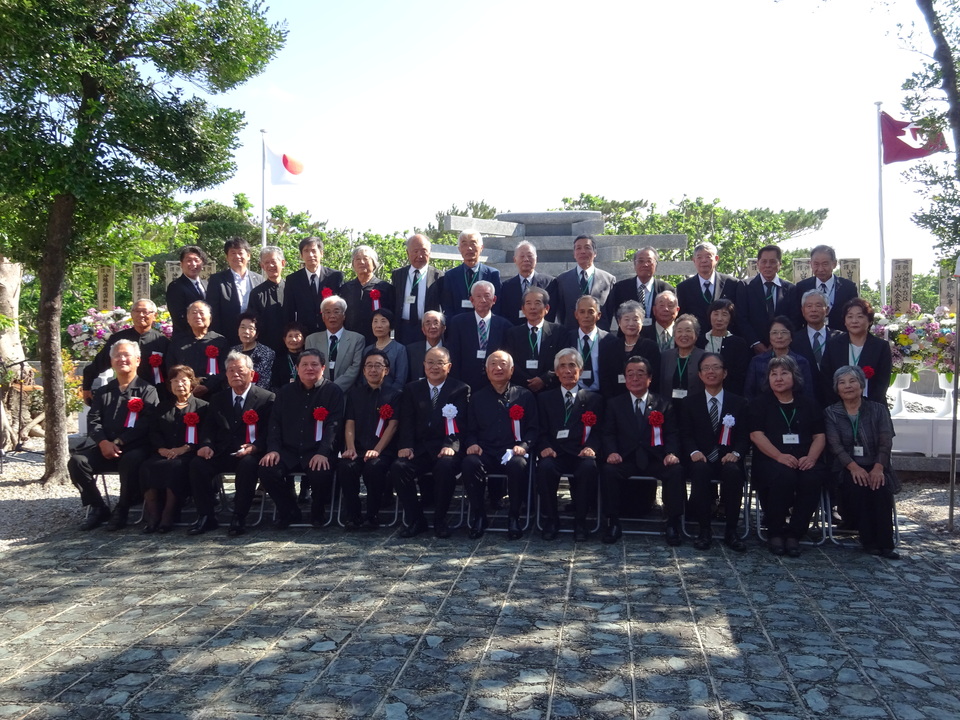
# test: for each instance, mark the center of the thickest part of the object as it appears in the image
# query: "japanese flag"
(284, 169)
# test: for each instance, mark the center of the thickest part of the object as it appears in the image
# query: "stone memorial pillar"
(140, 280)
(171, 271)
(801, 269)
(850, 269)
(901, 285)
(948, 289)
(106, 295)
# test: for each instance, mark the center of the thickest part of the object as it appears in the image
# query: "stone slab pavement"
(309, 623)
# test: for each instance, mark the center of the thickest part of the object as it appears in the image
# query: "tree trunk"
(11, 350)
(52, 276)
(943, 54)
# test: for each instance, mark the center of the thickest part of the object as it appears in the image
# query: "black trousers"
(704, 476)
(87, 461)
(614, 484)
(874, 511)
(375, 476)
(202, 473)
(277, 482)
(780, 488)
(583, 488)
(474, 472)
(404, 474)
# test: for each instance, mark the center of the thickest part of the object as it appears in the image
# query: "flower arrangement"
(93, 330)
(919, 340)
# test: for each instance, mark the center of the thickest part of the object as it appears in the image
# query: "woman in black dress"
(732, 348)
(285, 363)
(365, 293)
(616, 349)
(202, 349)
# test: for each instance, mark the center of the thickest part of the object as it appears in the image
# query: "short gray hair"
(272, 250)
(483, 285)
(568, 352)
(115, 348)
(692, 319)
(708, 246)
(235, 356)
(150, 304)
(341, 303)
(813, 294)
(630, 306)
(366, 250)
(529, 245)
(854, 370)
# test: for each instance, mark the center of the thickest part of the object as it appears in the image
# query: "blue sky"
(400, 110)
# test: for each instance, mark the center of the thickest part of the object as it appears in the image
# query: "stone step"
(620, 270)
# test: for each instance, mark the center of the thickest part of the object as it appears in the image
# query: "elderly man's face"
(272, 266)
(645, 265)
(525, 260)
(470, 248)
(418, 254)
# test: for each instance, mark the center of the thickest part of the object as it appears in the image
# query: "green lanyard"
(682, 369)
(855, 424)
(533, 344)
(476, 274)
(790, 421)
(855, 359)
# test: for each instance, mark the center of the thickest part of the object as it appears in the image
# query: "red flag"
(897, 150)
(284, 169)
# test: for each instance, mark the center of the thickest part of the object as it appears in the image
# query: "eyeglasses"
(376, 366)
(711, 367)
(435, 363)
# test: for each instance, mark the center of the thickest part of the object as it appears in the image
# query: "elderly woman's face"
(363, 264)
(848, 387)
(781, 379)
(720, 320)
(684, 336)
(630, 324)
(181, 385)
(780, 336)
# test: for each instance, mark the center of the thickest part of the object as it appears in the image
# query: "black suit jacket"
(225, 303)
(736, 359)
(510, 300)
(631, 437)
(267, 303)
(292, 430)
(752, 315)
(554, 338)
(416, 354)
(453, 288)
(180, 294)
(698, 433)
(613, 358)
(490, 425)
(301, 304)
(845, 290)
(626, 290)
(152, 342)
(553, 419)
(224, 431)
(463, 342)
(422, 425)
(405, 332)
(109, 411)
(875, 354)
(822, 385)
(360, 305)
(691, 300)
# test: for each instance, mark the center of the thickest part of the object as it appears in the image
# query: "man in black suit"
(585, 279)
(569, 443)
(640, 437)
(187, 288)
(645, 287)
(510, 298)
(812, 339)
(416, 290)
(304, 436)
(586, 338)
(763, 298)
(307, 287)
(433, 414)
(433, 327)
(267, 300)
(502, 429)
(473, 337)
(838, 290)
(697, 293)
(234, 437)
(665, 312)
(230, 290)
(457, 284)
(715, 439)
(534, 345)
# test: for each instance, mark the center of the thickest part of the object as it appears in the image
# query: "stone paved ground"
(323, 624)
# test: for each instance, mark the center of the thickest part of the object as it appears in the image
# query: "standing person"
(787, 430)
(645, 287)
(267, 300)
(308, 286)
(188, 288)
(696, 294)
(229, 291)
(780, 333)
(665, 312)
(262, 356)
(569, 444)
(534, 344)
(285, 363)
(457, 285)
(116, 441)
(202, 349)
(714, 442)
(860, 434)
(475, 336)
(502, 427)
(366, 293)
(678, 365)
(736, 354)
(858, 346)
(838, 290)
(433, 414)
(416, 288)
(763, 298)
(811, 340)
(234, 438)
(640, 437)
(370, 428)
(514, 290)
(585, 279)
(398, 372)
(304, 436)
(342, 349)
(586, 338)
(433, 326)
(615, 350)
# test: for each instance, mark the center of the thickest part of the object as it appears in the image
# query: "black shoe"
(203, 523)
(164, 529)
(793, 547)
(513, 529)
(890, 554)
(480, 525)
(733, 542)
(118, 519)
(149, 528)
(409, 531)
(304, 497)
(672, 532)
(373, 522)
(440, 528)
(237, 527)
(776, 546)
(354, 524)
(704, 540)
(550, 529)
(97, 516)
(580, 532)
(282, 522)
(613, 532)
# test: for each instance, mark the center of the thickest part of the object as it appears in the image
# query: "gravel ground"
(29, 509)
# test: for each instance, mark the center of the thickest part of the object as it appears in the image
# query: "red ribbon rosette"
(212, 352)
(588, 420)
(256, 376)
(319, 414)
(655, 420)
(516, 414)
(191, 420)
(156, 362)
(134, 406)
(250, 419)
(325, 293)
(385, 412)
(868, 371)
(375, 298)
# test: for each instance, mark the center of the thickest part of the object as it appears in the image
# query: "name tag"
(858, 450)
(563, 434)
(586, 375)
(621, 379)
(679, 393)
(791, 439)
(481, 354)
(411, 299)
(647, 322)
(466, 304)
(332, 364)
(520, 314)
(533, 364)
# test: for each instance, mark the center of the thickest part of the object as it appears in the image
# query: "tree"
(97, 127)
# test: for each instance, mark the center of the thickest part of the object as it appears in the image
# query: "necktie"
(434, 394)
(238, 405)
(587, 355)
(470, 275)
(526, 286)
(313, 283)
(715, 419)
(823, 288)
(817, 348)
(665, 341)
(770, 300)
(568, 403)
(482, 330)
(584, 288)
(334, 347)
(199, 289)
(638, 407)
(707, 295)
(533, 343)
(414, 291)
(642, 297)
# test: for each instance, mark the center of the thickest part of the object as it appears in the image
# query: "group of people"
(414, 383)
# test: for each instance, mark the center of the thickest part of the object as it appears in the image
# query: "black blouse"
(774, 419)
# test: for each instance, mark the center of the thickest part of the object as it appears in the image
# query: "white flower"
(449, 411)
(729, 421)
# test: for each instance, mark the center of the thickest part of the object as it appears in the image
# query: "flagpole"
(883, 261)
(263, 188)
